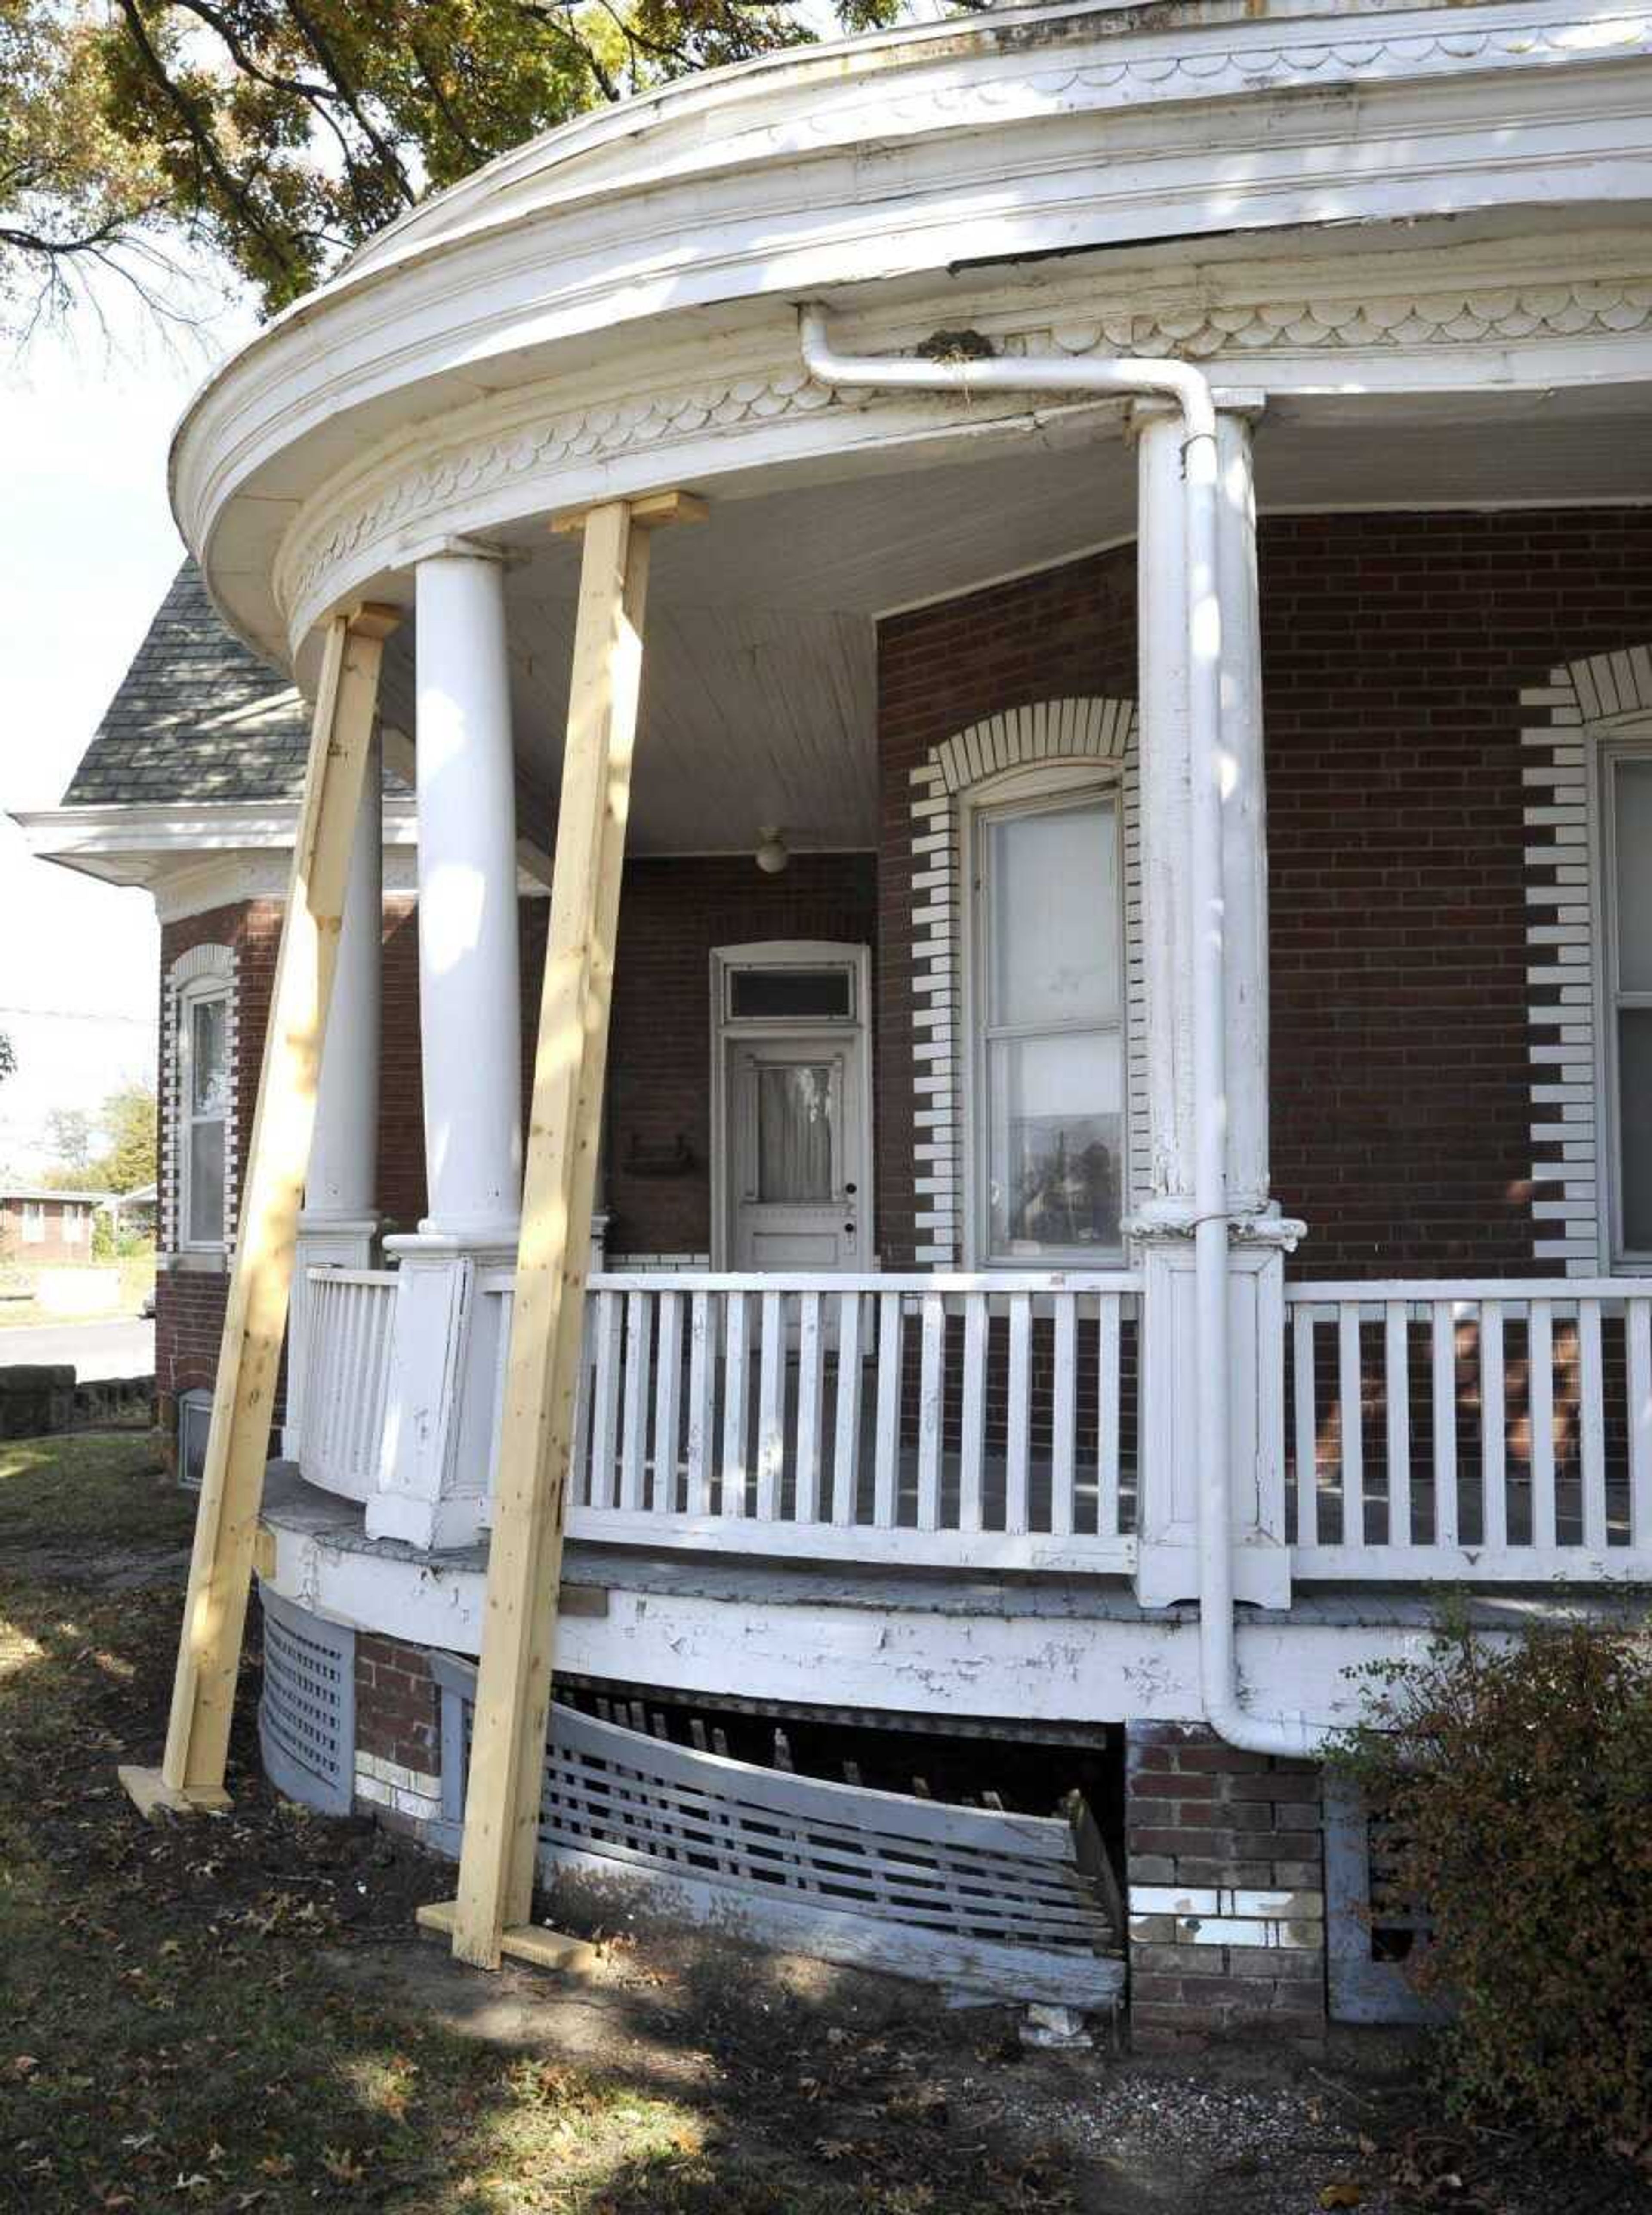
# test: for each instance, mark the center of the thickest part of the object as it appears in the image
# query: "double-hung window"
(203, 1113)
(33, 1221)
(1626, 793)
(1045, 1040)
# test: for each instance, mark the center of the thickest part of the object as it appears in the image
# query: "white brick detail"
(1046, 731)
(1585, 700)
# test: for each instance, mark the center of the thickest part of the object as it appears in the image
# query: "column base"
(1167, 1570)
(434, 1476)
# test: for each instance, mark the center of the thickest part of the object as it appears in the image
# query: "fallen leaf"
(1342, 2195)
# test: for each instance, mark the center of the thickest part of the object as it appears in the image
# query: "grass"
(176, 2032)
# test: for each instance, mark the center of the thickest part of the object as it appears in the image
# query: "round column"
(470, 997)
(1162, 713)
(1245, 819)
(342, 1186)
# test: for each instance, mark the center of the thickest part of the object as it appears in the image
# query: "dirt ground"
(234, 2014)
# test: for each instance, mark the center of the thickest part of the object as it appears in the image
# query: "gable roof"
(196, 717)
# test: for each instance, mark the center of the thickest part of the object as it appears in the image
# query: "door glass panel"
(1635, 1124)
(209, 1059)
(1056, 1138)
(1632, 859)
(1052, 903)
(205, 1182)
(794, 1133)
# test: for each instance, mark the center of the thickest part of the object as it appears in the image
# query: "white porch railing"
(944, 1420)
(346, 1379)
(1492, 1432)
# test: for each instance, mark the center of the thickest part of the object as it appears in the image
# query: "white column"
(1162, 712)
(340, 1221)
(1167, 1559)
(343, 1183)
(470, 995)
(1245, 819)
(443, 1359)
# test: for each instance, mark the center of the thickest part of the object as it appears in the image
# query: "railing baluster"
(1015, 1489)
(667, 1389)
(736, 1337)
(634, 1453)
(604, 1400)
(971, 1433)
(1397, 1393)
(578, 1454)
(771, 1409)
(931, 1393)
(1637, 1325)
(1307, 1429)
(846, 1459)
(1108, 1415)
(1350, 1402)
(807, 1464)
(887, 1460)
(1445, 1423)
(1494, 1419)
(1592, 1424)
(701, 1356)
(1064, 1418)
(1541, 1390)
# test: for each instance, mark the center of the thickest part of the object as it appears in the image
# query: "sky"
(87, 548)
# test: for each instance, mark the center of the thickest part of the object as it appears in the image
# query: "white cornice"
(1503, 315)
(669, 228)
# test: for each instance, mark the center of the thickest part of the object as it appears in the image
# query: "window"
(1626, 791)
(1046, 1048)
(33, 1221)
(203, 1111)
(72, 1219)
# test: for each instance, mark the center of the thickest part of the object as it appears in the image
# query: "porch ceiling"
(759, 690)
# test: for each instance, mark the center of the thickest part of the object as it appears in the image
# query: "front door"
(797, 1164)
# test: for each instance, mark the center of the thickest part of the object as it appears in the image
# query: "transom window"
(204, 1107)
(1046, 1045)
(1626, 790)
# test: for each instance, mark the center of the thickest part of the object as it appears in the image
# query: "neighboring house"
(39, 1225)
(990, 1091)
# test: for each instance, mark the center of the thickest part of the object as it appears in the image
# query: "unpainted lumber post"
(490, 1915)
(191, 1775)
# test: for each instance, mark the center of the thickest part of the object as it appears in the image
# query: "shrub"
(1518, 1780)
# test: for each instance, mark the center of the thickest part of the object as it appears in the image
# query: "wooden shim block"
(150, 1792)
(497, 1858)
(526, 1942)
(277, 1160)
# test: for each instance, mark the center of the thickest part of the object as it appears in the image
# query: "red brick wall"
(1231, 1833)
(51, 1245)
(1065, 633)
(1395, 647)
(398, 1709)
(671, 914)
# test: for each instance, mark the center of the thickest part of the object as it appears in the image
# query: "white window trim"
(788, 953)
(203, 971)
(1084, 734)
(34, 1222)
(1021, 791)
(1589, 711)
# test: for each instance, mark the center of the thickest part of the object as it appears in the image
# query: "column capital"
(450, 548)
(1243, 400)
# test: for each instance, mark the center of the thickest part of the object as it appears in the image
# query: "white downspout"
(1189, 391)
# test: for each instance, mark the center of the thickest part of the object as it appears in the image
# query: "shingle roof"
(196, 717)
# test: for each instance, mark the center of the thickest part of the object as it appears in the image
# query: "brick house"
(40, 1226)
(1125, 1158)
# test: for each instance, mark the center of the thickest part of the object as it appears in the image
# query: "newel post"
(1163, 1229)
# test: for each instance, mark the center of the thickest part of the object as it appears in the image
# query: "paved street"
(124, 1347)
